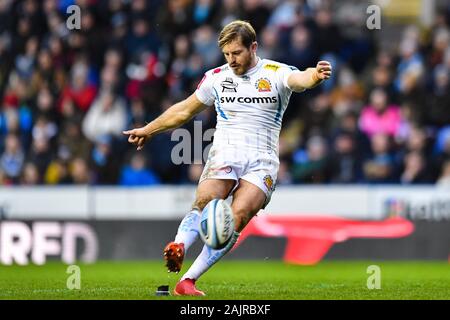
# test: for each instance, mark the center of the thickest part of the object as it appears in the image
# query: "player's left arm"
(309, 78)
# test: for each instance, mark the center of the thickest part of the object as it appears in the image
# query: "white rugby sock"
(207, 258)
(188, 230)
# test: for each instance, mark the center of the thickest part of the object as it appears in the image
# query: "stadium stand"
(66, 95)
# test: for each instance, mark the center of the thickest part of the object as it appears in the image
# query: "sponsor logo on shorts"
(227, 169)
(263, 85)
(268, 182)
(212, 172)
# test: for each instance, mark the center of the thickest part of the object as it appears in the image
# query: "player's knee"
(201, 202)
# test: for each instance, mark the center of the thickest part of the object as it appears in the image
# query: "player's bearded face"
(238, 56)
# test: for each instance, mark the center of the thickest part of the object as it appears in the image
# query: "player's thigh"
(248, 199)
(209, 189)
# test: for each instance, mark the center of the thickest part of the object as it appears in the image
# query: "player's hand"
(137, 137)
(323, 69)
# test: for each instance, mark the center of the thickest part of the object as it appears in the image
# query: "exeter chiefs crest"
(268, 182)
(263, 85)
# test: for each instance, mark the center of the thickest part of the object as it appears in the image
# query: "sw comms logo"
(258, 100)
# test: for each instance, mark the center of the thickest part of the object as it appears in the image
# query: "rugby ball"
(216, 224)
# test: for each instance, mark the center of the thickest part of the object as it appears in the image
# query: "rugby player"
(250, 95)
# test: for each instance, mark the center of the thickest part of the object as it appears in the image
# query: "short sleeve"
(205, 90)
(284, 73)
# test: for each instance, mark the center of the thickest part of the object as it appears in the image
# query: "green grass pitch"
(232, 280)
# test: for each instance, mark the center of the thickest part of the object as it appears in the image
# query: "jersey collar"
(255, 68)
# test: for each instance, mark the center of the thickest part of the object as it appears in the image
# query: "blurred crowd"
(66, 95)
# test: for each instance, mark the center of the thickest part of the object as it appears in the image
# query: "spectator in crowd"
(79, 90)
(444, 178)
(348, 94)
(66, 95)
(141, 8)
(15, 119)
(439, 100)
(327, 35)
(348, 123)
(79, 171)
(4, 181)
(414, 171)
(256, 12)
(12, 158)
(416, 141)
(5, 58)
(57, 28)
(58, 172)
(284, 15)
(440, 43)
(141, 38)
(205, 45)
(24, 63)
(318, 115)
(93, 37)
(284, 175)
(119, 29)
(137, 174)
(230, 10)
(344, 160)
(268, 44)
(30, 175)
(182, 48)
(106, 116)
(441, 152)
(108, 79)
(174, 19)
(442, 140)
(138, 115)
(310, 165)
(300, 52)
(409, 120)
(204, 12)
(113, 76)
(380, 116)
(104, 162)
(44, 129)
(5, 15)
(381, 77)
(40, 154)
(61, 59)
(72, 142)
(45, 105)
(410, 65)
(380, 167)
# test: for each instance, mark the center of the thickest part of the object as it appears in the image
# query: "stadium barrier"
(173, 202)
(356, 222)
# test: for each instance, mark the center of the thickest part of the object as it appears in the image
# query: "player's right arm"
(311, 77)
(175, 116)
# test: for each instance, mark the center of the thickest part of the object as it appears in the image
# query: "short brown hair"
(237, 29)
